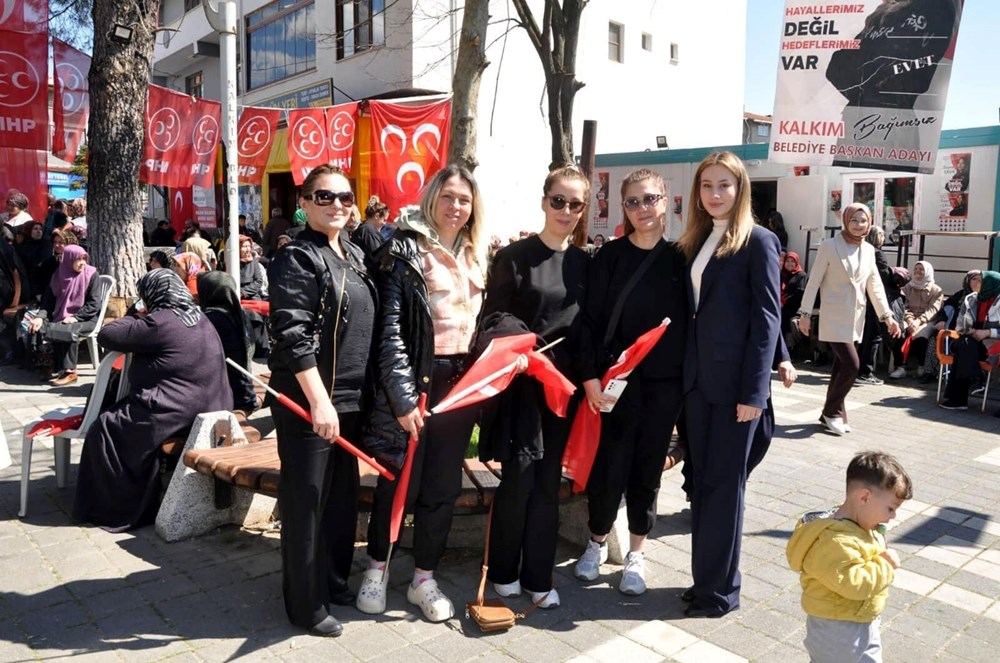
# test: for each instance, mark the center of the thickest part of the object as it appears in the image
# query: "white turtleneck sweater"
(704, 255)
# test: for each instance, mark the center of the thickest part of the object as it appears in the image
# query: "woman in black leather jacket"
(323, 307)
(431, 282)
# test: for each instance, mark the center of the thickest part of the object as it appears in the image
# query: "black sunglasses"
(650, 199)
(322, 197)
(558, 202)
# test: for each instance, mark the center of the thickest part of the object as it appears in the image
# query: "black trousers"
(525, 521)
(635, 438)
(871, 339)
(845, 370)
(436, 481)
(65, 355)
(318, 500)
(719, 448)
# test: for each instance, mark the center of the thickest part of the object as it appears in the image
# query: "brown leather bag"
(493, 615)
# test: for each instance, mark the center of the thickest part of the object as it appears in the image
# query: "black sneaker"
(953, 405)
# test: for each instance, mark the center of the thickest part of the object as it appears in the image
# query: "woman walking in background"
(843, 274)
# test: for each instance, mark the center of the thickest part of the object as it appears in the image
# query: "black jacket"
(403, 345)
(302, 319)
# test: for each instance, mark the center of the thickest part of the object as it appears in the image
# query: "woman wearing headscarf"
(188, 266)
(793, 285)
(34, 250)
(252, 277)
(203, 249)
(924, 298)
(979, 326)
(178, 370)
(218, 301)
(70, 306)
(844, 274)
(947, 318)
(322, 313)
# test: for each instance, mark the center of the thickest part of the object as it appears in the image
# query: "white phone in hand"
(614, 389)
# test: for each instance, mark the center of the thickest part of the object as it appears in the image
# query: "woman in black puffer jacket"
(431, 282)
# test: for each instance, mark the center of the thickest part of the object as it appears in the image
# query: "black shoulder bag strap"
(616, 312)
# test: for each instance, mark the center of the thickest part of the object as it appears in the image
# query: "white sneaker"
(834, 424)
(633, 580)
(436, 606)
(371, 594)
(588, 567)
(548, 599)
(507, 590)
(898, 373)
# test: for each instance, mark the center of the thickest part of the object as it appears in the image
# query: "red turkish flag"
(182, 138)
(254, 136)
(341, 126)
(24, 94)
(307, 141)
(496, 368)
(181, 208)
(71, 99)
(25, 16)
(585, 435)
(26, 171)
(409, 145)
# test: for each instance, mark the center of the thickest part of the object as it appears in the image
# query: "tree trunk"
(465, 86)
(119, 76)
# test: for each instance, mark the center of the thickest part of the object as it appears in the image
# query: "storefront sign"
(314, 96)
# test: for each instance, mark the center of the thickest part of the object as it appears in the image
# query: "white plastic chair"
(107, 285)
(61, 441)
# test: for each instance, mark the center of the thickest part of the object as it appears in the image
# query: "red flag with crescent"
(341, 125)
(24, 94)
(25, 16)
(182, 138)
(71, 99)
(409, 145)
(254, 136)
(307, 141)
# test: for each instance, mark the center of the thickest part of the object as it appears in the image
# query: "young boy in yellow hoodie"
(845, 567)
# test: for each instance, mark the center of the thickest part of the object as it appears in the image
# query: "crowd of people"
(366, 317)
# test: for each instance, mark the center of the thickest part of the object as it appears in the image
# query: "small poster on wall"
(599, 220)
(836, 203)
(954, 205)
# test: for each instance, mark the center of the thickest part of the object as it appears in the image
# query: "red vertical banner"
(26, 171)
(71, 99)
(181, 208)
(182, 138)
(24, 16)
(341, 126)
(409, 145)
(24, 115)
(254, 136)
(308, 145)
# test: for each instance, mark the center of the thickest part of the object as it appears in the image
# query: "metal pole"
(223, 21)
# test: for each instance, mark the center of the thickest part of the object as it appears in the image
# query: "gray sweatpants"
(836, 641)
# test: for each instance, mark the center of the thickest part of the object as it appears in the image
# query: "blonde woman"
(843, 274)
(734, 288)
(431, 276)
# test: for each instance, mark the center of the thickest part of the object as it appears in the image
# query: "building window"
(615, 51)
(675, 53)
(281, 41)
(190, 4)
(360, 26)
(647, 41)
(763, 130)
(194, 85)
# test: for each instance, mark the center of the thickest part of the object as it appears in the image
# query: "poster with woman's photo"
(954, 207)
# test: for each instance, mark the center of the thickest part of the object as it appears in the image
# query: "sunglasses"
(559, 202)
(322, 197)
(650, 199)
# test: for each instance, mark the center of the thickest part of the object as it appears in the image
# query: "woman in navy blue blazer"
(734, 284)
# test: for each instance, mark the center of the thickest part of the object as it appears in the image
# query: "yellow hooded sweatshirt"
(841, 569)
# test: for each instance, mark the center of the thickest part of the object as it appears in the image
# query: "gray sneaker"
(633, 580)
(588, 567)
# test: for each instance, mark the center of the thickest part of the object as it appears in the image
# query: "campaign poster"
(863, 84)
(599, 221)
(954, 198)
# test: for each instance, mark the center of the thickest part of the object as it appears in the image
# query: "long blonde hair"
(476, 226)
(699, 224)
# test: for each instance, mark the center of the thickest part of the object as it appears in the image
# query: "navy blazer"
(733, 336)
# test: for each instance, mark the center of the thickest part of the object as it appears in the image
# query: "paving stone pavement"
(82, 593)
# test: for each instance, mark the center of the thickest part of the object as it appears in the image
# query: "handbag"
(492, 615)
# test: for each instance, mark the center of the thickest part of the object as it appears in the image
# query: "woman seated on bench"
(217, 299)
(72, 304)
(178, 370)
(979, 325)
